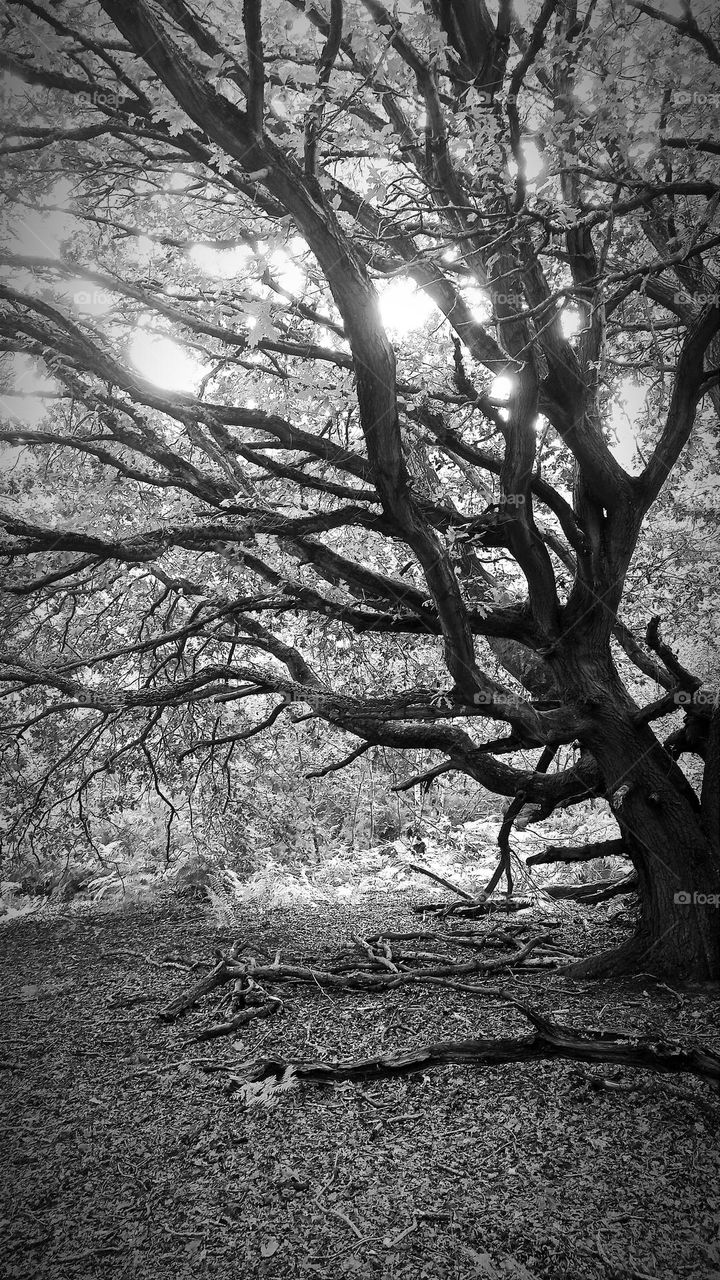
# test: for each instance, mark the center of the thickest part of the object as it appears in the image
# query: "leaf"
(484, 1265)
(28, 992)
(269, 1247)
(515, 1269)
(260, 323)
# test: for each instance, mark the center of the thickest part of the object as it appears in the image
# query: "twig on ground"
(338, 1213)
(239, 1019)
(461, 893)
(391, 1243)
(140, 955)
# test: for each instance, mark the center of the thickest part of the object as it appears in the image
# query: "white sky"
(404, 307)
(628, 407)
(164, 362)
(39, 233)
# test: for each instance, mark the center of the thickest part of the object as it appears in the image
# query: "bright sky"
(404, 308)
(570, 321)
(38, 233)
(501, 387)
(23, 400)
(164, 362)
(534, 163)
(628, 405)
(223, 263)
(226, 264)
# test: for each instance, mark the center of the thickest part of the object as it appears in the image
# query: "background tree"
(400, 268)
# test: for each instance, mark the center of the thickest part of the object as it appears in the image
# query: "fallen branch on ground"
(239, 1019)
(550, 1040)
(369, 965)
(597, 891)
(471, 909)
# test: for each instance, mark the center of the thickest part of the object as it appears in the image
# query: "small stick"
(423, 871)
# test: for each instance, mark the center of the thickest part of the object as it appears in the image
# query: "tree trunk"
(661, 825)
(710, 797)
(678, 932)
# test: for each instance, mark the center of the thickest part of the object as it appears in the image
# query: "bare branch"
(339, 764)
(686, 26)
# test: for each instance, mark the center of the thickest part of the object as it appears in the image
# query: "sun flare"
(403, 307)
(163, 362)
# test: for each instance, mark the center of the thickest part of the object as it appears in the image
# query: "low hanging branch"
(424, 779)
(654, 641)
(514, 809)
(577, 852)
(512, 813)
(340, 764)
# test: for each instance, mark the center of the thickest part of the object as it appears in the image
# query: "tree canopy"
(346, 352)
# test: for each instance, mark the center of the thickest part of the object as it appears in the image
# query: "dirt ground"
(125, 1156)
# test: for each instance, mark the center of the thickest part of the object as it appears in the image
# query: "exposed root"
(384, 962)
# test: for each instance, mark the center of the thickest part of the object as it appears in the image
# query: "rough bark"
(660, 820)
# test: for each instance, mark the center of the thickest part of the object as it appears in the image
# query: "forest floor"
(125, 1156)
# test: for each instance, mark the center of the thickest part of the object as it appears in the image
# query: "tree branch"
(326, 62)
(256, 65)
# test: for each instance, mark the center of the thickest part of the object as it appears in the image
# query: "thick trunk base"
(627, 959)
(655, 957)
(664, 829)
